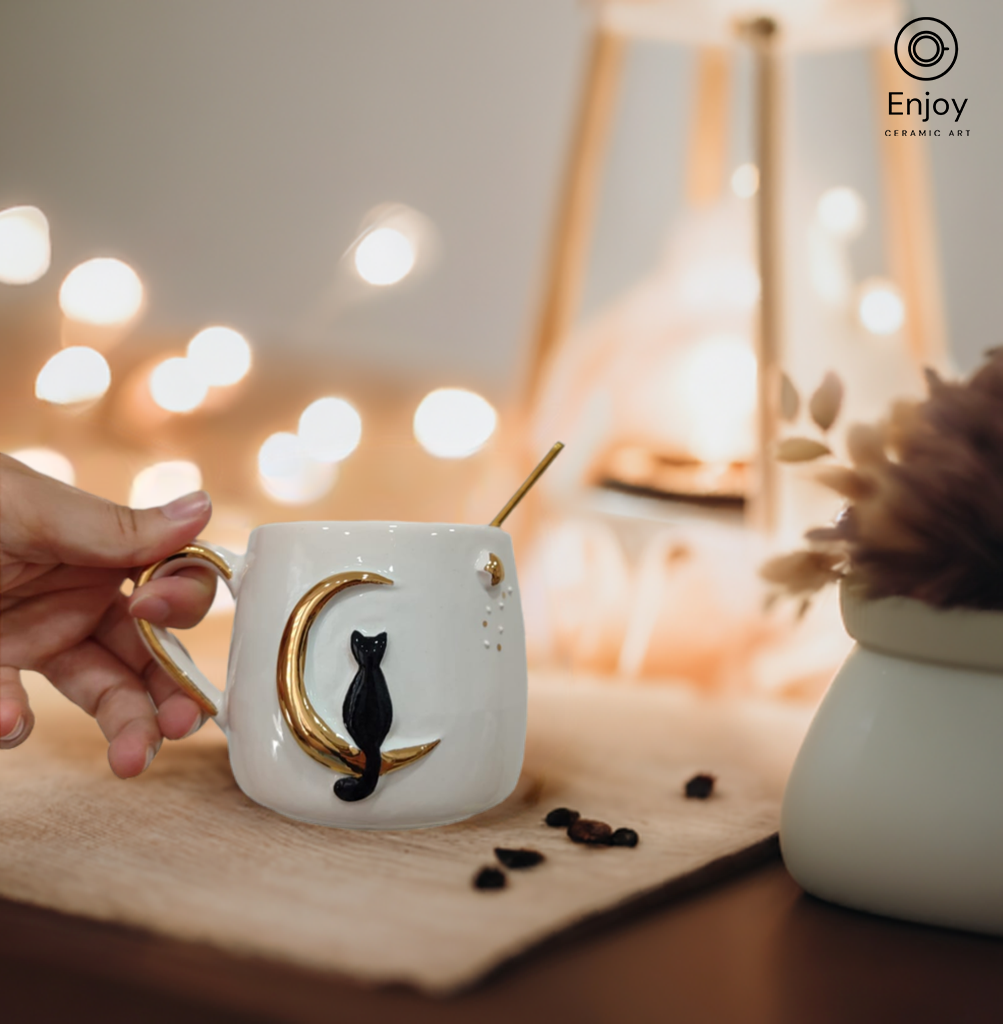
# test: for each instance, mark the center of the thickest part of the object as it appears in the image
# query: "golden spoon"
(526, 484)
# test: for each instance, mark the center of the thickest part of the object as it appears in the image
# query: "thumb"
(48, 521)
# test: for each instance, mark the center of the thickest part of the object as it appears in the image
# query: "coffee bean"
(518, 858)
(561, 817)
(595, 833)
(623, 837)
(700, 787)
(489, 878)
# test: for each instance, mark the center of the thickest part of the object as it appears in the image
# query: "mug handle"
(166, 649)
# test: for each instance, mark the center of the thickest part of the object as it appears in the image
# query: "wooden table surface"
(754, 949)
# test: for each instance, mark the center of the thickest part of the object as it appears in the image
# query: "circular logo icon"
(926, 48)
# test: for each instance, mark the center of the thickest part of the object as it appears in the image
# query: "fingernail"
(151, 753)
(15, 734)
(152, 608)
(190, 506)
(196, 725)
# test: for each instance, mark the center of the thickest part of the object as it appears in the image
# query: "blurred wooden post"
(565, 272)
(762, 35)
(708, 143)
(910, 231)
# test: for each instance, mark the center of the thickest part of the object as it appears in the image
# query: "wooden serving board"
(181, 851)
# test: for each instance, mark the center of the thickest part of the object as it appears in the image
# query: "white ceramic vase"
(895, 801)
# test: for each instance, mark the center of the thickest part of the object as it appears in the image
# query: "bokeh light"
(176, 387)
(289, 475)
(47, 461)
(384, 256)
(101, 291)
(745, 181)
(219, 355)
(24, 245)
(77, 374)
(163, 482)
(330, 429)
(881, 308)
(842, 212)
(452, 423)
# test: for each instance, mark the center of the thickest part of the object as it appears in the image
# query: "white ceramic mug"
(401, 639)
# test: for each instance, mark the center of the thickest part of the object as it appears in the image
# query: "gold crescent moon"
(311, 732)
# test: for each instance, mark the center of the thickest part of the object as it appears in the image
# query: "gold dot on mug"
(499, 647)
(485, 622)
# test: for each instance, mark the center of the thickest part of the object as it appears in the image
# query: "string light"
(330, 429)
(24, 245)
(745, 181)
(289, 475)
(452, 423)
(49, 462)
(384, 256)
(162, 482)
(881, 308)
(77, 374)
(176, 387)
(842, 212)
(221, 356)
(101, 291)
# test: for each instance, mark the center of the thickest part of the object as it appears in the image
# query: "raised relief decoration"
(367, 708)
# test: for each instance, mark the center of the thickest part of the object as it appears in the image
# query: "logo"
(926, 48)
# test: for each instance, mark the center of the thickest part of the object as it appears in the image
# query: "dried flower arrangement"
(925, 493)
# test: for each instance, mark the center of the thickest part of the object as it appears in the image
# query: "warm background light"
(745, 181)
(384, 256)
(330, 429)
(452, 423)
(842, 212)
(716, 387)
(289, 475)
(24, 245)
(101, 291)
(47, 461)
(219, 355)
(163, 482)
(176, 387)
(881, 308)
(77, 374)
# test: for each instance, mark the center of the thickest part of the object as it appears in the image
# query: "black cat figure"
(368, 713)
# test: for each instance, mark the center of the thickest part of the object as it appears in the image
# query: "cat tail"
(358, 787)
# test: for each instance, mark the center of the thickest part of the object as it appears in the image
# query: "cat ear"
(357, 637)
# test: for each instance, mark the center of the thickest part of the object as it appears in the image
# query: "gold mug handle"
(165, 647)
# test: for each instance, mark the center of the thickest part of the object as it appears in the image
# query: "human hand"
(63, 557)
